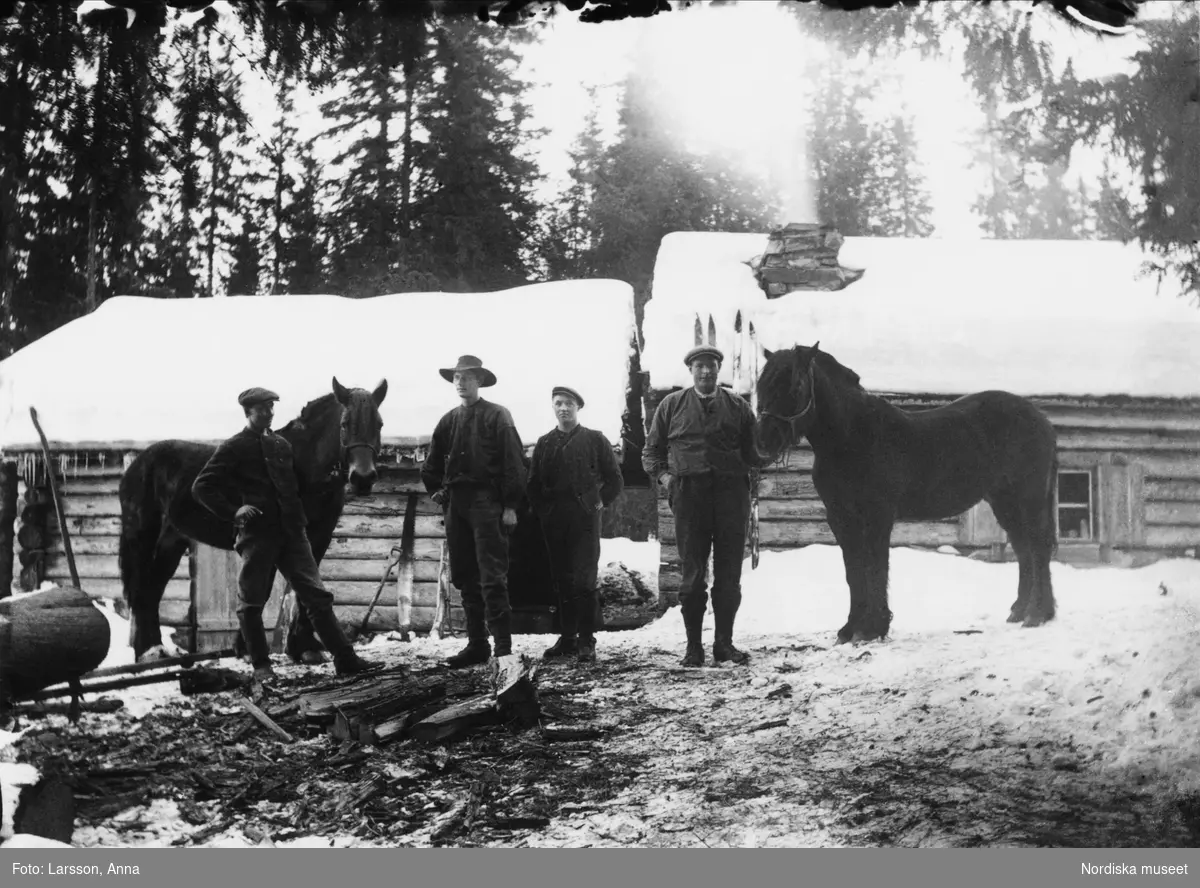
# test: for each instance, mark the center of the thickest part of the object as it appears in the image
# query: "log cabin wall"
(1139, 459)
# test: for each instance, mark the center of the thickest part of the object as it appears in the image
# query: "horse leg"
(875, 618)
(1008, 516)
(850, 539)
(145, 628)
(1040, 520)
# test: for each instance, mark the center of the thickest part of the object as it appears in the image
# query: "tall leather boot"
(501, 635)
(477, 650)
(693, 624)
(345, 659)
(723, 649)
(257, 646)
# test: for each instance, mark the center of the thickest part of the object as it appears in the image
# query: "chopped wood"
(568, 735)
(359, 794)
(767, 725)
(356, 721)
(321, 706)
(223, 823)
(264, 719)
(457, 719)
(210, 681)
(513, 678)
(968, 631)
(392, 728)
(519, 822)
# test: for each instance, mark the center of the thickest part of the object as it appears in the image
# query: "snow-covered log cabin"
(1074, 325)
(141, 370)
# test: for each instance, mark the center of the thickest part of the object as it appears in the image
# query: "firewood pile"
(802, 256)
(421, 756)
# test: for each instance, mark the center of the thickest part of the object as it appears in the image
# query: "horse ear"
(341, 392)
(768, 354)
(380, 392)
(816, 346)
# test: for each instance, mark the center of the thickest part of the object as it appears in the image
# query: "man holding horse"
(251, 482)
(701, 449)
(574, 475)
(476, 470)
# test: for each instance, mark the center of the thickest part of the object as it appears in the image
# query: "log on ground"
(53, 636)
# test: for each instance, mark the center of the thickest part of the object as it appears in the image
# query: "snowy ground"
(959, 730)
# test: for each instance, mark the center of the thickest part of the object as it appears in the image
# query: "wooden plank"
(92, 505)
(786, 484)
(1186, 514)
(98, 567)
(383, 619)
(1180, 465)
(1123, 420)
(783, 509)
(1128, 441)
(1177, 491)
(356, 594)
(1171, 537)
(109, 587)
(102, 485)
(173, 612)
(84, 544)
(796, 533)
(88, 525)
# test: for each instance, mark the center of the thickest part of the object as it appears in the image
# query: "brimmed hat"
(470, 362)
(569, 392)
(701, 351)
(256, 395)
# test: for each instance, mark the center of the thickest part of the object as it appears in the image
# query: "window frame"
(1091, 505)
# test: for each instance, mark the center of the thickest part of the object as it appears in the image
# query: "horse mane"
(838, 372)
(308, 413)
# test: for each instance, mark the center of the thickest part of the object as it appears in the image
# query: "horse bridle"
(790, 421)
(342, 469)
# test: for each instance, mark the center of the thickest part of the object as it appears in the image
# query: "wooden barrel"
(50, 637)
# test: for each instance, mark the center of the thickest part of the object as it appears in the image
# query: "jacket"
(578, 465)
(477, 446)
(691, 435)
(252, 470)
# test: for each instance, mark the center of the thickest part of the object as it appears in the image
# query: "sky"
(725, 69)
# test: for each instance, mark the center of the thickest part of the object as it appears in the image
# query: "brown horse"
(874, 464)
(334, 440)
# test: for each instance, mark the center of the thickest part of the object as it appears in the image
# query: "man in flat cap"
(700, 449)
(476, 471)
(573, 476)
(251, 483)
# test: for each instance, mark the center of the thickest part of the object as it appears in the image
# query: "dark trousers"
(573, 538)
(478, 545)
(711, 516)
(290, 552)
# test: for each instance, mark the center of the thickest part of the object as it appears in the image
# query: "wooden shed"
(142, 370)
(1074, 325)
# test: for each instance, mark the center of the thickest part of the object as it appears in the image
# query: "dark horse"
(335, 439)
(874, 464)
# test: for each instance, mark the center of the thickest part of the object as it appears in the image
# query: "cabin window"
(1075, 506)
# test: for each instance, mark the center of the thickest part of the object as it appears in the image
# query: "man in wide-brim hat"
(251, 482)
(476, 471)
(573, 476)
(701, 449)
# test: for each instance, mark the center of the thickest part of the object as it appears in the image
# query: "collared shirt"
(579, 465)
(477, 446)
(692, 435)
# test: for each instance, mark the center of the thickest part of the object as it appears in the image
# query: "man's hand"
(246, 514)
(439, 496)
(509, 518)
(664, 480)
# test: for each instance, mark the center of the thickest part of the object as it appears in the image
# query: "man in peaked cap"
(251, 482)
(700, 449)
(573, 476)
(476, 470)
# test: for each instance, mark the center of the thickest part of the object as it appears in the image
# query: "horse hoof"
(312, 658)
(1034, 620)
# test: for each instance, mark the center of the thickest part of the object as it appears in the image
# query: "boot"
(257, 646)
(477, 651)
(345, 660)
(501, 635)
(723, 649)
(693, 624)
(564, 647)
(585, 651)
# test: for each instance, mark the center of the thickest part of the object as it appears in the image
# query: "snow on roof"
(933, 316)
(139, 370)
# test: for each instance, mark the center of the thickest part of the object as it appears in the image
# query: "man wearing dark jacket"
(700, 449)
(251, 483)
(573, 476)
(476, 470)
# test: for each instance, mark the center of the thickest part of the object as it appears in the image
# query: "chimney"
(802, 256)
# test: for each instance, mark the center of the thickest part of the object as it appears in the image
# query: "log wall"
(1144, 456)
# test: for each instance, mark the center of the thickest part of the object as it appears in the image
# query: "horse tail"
(1051, 485)
(141, 524)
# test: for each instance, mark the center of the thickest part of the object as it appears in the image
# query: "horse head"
(360, 434)
(787, 396)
